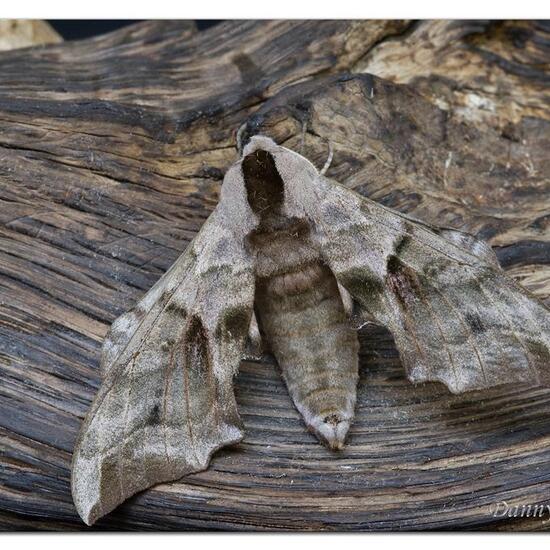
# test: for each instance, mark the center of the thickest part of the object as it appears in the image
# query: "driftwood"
(112, 151)
(22, 33)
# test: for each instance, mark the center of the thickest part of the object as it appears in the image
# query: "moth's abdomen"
(305, 325)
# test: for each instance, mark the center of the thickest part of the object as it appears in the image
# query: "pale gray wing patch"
(124, 327)
(477, 247)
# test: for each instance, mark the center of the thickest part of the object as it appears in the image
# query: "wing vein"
(167, 388)
(504, 316)
(460, 317)
(125, 428)
(441, 331)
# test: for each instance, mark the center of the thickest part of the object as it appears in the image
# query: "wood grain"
(112, 152)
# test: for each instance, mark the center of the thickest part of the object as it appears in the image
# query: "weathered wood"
(22, 33)
(486, 73)
(112, 152)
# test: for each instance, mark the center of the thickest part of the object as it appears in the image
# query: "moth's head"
(265, 189)
(274, 177)
(267, 179)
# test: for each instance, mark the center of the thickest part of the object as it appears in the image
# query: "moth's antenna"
(240, 133)
(329, 159)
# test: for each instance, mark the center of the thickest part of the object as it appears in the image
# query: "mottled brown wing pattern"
(166, 402)
(454, 314)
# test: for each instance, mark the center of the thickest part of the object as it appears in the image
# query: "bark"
(112, 152)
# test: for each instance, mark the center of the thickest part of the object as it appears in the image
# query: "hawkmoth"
(296, 260)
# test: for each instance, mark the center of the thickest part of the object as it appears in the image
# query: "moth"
(295, 260)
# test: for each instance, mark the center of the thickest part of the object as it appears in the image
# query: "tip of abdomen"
(330, 430)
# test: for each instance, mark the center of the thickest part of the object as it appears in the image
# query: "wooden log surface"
(112, 151)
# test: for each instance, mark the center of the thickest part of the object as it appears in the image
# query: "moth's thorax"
(283, 246)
